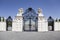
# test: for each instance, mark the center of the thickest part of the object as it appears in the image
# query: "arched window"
(9, 23)
(50, 24)
(30, 20)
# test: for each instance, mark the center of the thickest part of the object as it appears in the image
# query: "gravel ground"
(30, 35)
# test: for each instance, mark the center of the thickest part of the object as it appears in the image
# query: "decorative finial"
(39, 10)
(20, 10)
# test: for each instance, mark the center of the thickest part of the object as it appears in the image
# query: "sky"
(49, 7)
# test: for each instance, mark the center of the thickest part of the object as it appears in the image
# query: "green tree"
(59, 20)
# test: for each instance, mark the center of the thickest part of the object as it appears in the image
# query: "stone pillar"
(39, 25)
(42, 23)
(39, 20)
(17, 26)
(18, 21)
(42, 26)
(21, 24)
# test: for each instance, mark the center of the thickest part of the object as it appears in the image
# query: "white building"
(29, 21)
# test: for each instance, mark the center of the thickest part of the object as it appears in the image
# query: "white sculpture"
(39, 10)
(20, 10)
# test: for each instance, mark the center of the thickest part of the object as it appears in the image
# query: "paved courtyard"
(29, 35)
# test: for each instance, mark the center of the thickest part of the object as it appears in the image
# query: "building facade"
(29, 20)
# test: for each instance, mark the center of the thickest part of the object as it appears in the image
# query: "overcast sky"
(49, 7)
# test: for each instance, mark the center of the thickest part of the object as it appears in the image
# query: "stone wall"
(57, 26)
(2, 26)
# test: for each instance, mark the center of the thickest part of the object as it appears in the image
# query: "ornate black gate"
(30, 20)
(9, 23)
(50, 24)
